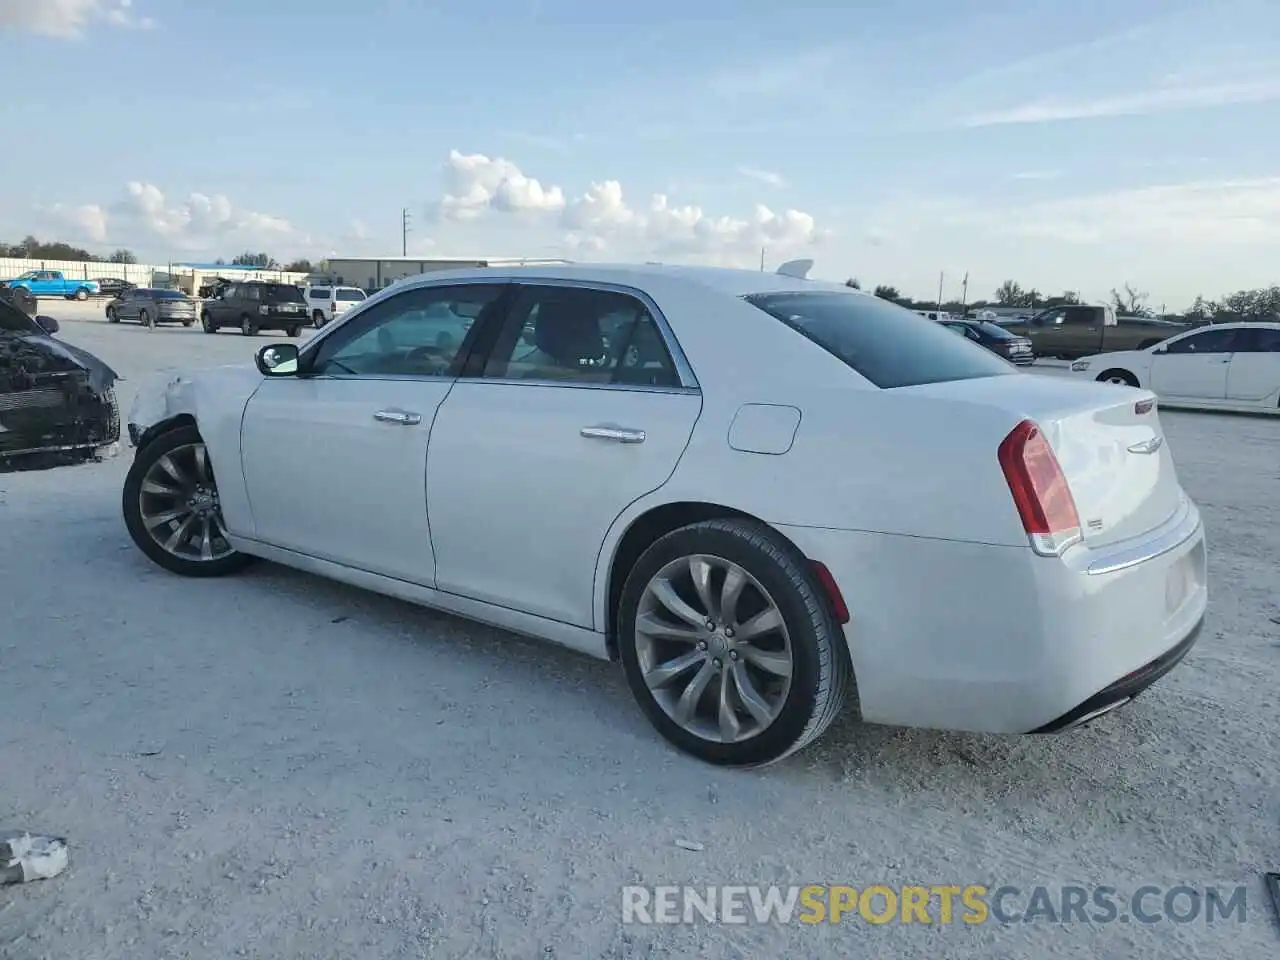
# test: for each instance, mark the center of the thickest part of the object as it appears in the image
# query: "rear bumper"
(964, 636)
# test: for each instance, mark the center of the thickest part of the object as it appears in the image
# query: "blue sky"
(1070, 145)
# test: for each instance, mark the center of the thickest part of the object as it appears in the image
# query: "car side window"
(580, 335)
(1050, 319)
(231, 292)
(1210, 341)
(1079, 316)
(250, 293)
(1258, 340)
(418, 333)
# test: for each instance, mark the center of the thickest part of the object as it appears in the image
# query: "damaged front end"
(55, 401)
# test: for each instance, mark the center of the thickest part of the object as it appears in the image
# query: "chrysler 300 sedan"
(761, 494)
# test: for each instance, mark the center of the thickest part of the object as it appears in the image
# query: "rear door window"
(281, 293)
(319, 293)
(887, 344)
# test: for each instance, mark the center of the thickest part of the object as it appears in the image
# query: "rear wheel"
(318, 319)
(247, 327)
(171, 507)
(294, 331)
(188, 322)
(111, 315)
(729, 643)
(82, 294)
(1118, 377)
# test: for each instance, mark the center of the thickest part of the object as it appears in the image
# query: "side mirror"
(277, 360)
(48, 324)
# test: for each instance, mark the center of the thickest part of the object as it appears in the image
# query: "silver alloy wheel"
(713, 648)
(179, 505)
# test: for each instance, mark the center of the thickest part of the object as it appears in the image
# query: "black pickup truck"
(1082, 330)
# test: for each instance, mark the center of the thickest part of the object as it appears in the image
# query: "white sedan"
(758, 492)
(1226, 366)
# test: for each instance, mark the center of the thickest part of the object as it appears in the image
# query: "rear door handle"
(606, 431)
(404, 417)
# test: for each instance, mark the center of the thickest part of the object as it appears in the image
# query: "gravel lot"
(277, 766)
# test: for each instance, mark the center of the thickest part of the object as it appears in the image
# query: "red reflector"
(1039, 488)
(838, 606)
(1143, 406)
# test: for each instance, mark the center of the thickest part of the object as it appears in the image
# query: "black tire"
(111, 315)
(247, 327)
(206, 322)
(1124, 376)
(294, 331)
(131, 506)
(820, 671)
(144, 318)
(318, 319)
(187, 323)
(82, 294)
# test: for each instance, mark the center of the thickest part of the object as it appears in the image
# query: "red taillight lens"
(1039, 489)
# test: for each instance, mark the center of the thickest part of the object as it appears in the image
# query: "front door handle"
(398, 416)
(607, 431)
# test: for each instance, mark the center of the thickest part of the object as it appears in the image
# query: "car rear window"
(350, 294)
(887, 344)
(282, 293)
(169, 295)
(319, 293)
(995, 331)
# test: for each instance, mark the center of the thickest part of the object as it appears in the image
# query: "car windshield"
(350, 294)
(282, 293)
(889, 345)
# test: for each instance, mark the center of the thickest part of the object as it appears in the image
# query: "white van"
(324, 301)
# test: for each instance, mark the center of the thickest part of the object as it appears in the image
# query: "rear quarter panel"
(863, 459)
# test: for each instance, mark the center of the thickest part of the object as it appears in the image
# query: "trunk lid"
(1114, 457)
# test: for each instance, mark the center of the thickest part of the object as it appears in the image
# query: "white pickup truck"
(325, 301)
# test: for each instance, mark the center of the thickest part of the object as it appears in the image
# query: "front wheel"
(729, 643)
(171, 507)
(206, 321)
(111, 316)
(247, 327)
(1121, 378)
(146, 320)
(294, 331)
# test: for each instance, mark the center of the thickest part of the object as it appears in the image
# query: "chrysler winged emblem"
(1147, 446)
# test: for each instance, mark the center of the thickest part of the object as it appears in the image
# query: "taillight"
(1039, 489)
(1143, 406)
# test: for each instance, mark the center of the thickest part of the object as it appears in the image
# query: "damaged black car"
(57, 402)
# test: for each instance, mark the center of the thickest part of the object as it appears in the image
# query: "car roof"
(725, 280)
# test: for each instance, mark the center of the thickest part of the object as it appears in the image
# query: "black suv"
(256, 305)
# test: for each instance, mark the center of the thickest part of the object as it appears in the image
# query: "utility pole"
(762, 259)
(941, 275)
(964, 294)
(404, 232)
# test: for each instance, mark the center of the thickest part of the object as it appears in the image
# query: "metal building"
(374, 273)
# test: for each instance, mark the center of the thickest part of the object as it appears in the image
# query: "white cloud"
(1156, 100)
(196, 223)
(68, 18)
(87, 223)
(602, 219)
(763, 176)
(477, 183)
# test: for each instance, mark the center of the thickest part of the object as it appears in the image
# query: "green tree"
(1130, 302)
(251, 259)
(1011, 294)
(853, 282)
(886, 292)
(300, 266)
(122, 256)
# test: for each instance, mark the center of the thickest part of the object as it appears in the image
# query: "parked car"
(51, 283)
(150, 307)
(328, 301)
(1227, 366)
(113, 286)
(1081, 330)
(995, 338)
(256, 305)
(54, 398)
(746, 497)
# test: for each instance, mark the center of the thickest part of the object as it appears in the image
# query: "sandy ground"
(277, 766)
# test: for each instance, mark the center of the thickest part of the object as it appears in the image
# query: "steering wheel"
(427, 356)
